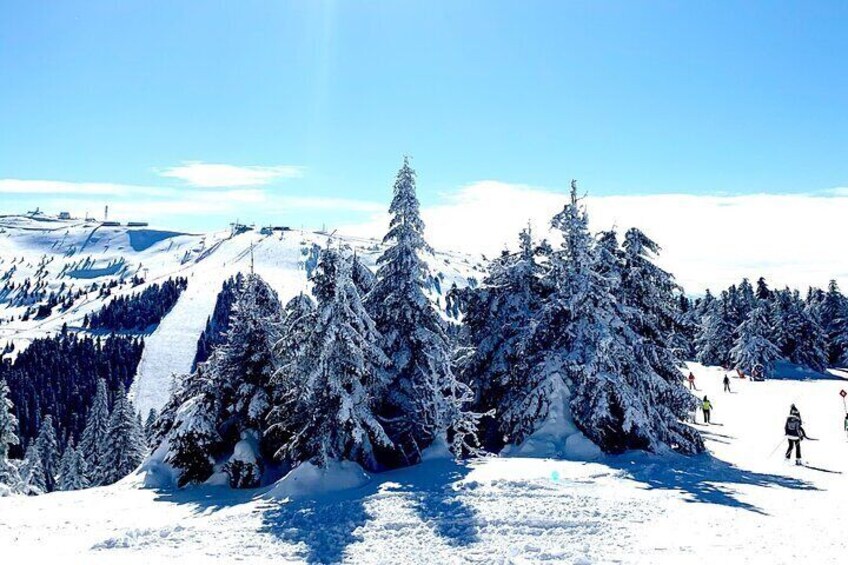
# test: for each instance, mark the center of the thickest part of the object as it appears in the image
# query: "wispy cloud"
(708, 241)
(219, 175)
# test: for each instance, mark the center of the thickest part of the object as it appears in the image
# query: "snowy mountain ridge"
(67, 257)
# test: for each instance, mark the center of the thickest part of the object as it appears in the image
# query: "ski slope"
(77, 254)
(740, 504)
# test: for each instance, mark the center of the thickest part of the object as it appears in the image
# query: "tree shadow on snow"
(704, 478)
(328, 524)
(207, 499)
(325, 524)
(437, 499)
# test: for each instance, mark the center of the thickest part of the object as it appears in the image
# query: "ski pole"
(777, 446)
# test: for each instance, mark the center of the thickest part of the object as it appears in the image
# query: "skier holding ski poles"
(706, 408)
(726, 383)
(794, 433)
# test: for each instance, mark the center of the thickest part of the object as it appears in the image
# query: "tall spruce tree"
(715, 340)
(587, 352)
(9, 476)
(426, 402)
(48, 449)
(229, 394)
(125, 445)
(33, 478)
(497, 315)
(299, 319)
(243, 366)
(753, 352)
(337, 379)
(796, 332)
(93, 443)
(74, 476)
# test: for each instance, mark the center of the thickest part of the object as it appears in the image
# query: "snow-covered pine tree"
(650, 291)
(753, 350)
(585, 352)
(149, 427)
(193, 434)
(64, 462)
(229, 394)
(715, 340)
(686, 326)
(763, 292)
(242, 367)
(426, 402)
(48, 448)
(74, 475)
(832, 315)
(299, 318)
(338, 379)
(796, 333)
(9, 477)
(497, 315)
(33, 478)
(125, 444)
(95, 435)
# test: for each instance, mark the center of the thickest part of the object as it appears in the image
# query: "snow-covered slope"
(52, 253)
(742, 504)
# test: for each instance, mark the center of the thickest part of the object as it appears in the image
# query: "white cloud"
(708, 241)
(218, 175)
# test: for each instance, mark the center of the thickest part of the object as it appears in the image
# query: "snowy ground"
(742, 504)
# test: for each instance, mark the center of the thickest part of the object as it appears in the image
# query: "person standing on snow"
(692, 381)
(794, 433)
(706, 408)
(726, 383)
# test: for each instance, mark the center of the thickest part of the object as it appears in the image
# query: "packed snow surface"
(741, 504)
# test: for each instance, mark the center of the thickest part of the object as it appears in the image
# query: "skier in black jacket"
(794, 433)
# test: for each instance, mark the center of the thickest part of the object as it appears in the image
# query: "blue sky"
(129, 102)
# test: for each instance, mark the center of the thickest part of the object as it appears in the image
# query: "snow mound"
(307, 480)
(557, 437)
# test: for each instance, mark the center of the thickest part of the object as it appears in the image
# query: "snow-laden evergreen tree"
(64, 461)
(686, 327)
(74, 473)
(149, 427)
(192, 437)
(299, 319)
(337, 380)
(763, 292)
(48, 449)
(33, 478)
(426, 402)
(587, 353)
(832, 315)
(125, 445)
(753, 351)
(229, 394)
(95, 436)
(650, 292)
(497, 315)
(796, 333)
(242, 367)
(715, 340)
(9, 477)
